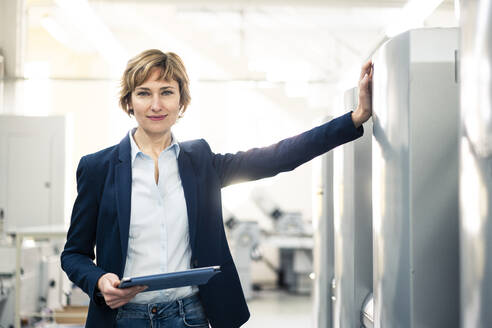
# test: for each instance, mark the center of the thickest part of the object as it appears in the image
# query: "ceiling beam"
(280, 3)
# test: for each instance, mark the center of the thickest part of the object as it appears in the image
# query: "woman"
(151, 204)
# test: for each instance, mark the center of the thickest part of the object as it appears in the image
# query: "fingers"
(107, 280)
(364, 107)
(124, 292)
(365, 81)
(364, 84)
(366, 68)
(116, 297)
(120, 301)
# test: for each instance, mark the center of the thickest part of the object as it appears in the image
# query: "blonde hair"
(139, 69)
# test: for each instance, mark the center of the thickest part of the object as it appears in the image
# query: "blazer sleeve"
(77, 258)
(285, 155)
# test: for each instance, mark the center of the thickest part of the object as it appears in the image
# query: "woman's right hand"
(114, 296)
(364, 107)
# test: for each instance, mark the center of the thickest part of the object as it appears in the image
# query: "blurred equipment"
(293, 238)
(244, 237)
(415, 180)
(36, 281)
(33, 200)
(290, 223)
(7, 300)
(290, 235)
(476, 163)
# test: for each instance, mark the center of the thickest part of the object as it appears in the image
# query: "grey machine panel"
(352, 224)
(476, 163)
(323, 261)
(415, 181)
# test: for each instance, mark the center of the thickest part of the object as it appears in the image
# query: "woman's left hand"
(364, 107)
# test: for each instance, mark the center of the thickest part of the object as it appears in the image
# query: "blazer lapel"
(123, 183)
(189, 182)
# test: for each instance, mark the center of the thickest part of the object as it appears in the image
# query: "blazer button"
(195, 263)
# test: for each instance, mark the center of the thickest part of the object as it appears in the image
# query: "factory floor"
(280, 309)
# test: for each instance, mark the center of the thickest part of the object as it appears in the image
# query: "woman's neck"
(152, 144)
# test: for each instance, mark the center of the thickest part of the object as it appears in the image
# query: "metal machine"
(343, 231)
(476, 163)
(323, 237)
(352, 217)
(415, 180)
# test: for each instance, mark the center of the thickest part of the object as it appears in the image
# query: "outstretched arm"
(286, 155)
(289, 153)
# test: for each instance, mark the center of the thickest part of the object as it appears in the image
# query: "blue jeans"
(183, 313)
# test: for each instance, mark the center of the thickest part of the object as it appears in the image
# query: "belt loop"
(181, 307)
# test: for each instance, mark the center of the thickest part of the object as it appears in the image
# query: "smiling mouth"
(157, 117)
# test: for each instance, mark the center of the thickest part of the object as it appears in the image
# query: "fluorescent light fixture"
(83, 17)
(457, 9)
(55, 30)
(412, 16)
(63, 32)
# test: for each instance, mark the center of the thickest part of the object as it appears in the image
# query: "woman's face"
(156, 104)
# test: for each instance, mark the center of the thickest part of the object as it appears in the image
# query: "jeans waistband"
(160, 309)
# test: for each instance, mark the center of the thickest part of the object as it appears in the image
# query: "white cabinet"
(33, 158)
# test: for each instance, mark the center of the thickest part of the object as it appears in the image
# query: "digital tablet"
(192, 277)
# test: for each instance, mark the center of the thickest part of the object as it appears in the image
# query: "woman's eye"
(167, 92)
(142, 93)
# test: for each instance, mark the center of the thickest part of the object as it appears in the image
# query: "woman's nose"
(156, 103)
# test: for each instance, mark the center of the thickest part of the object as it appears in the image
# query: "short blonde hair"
(139, 69)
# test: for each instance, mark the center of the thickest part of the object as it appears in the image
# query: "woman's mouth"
(157, 117)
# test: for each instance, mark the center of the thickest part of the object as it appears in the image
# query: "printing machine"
(40, 281)
(290, 235)
(352, 215)
(323, 239)
(413, 278)
(476, 163)
(415, 180)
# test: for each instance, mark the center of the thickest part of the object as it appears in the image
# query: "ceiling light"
(412, 16)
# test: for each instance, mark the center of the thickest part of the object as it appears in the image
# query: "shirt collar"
(174, 146)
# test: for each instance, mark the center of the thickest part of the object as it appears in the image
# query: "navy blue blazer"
(101, 213)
